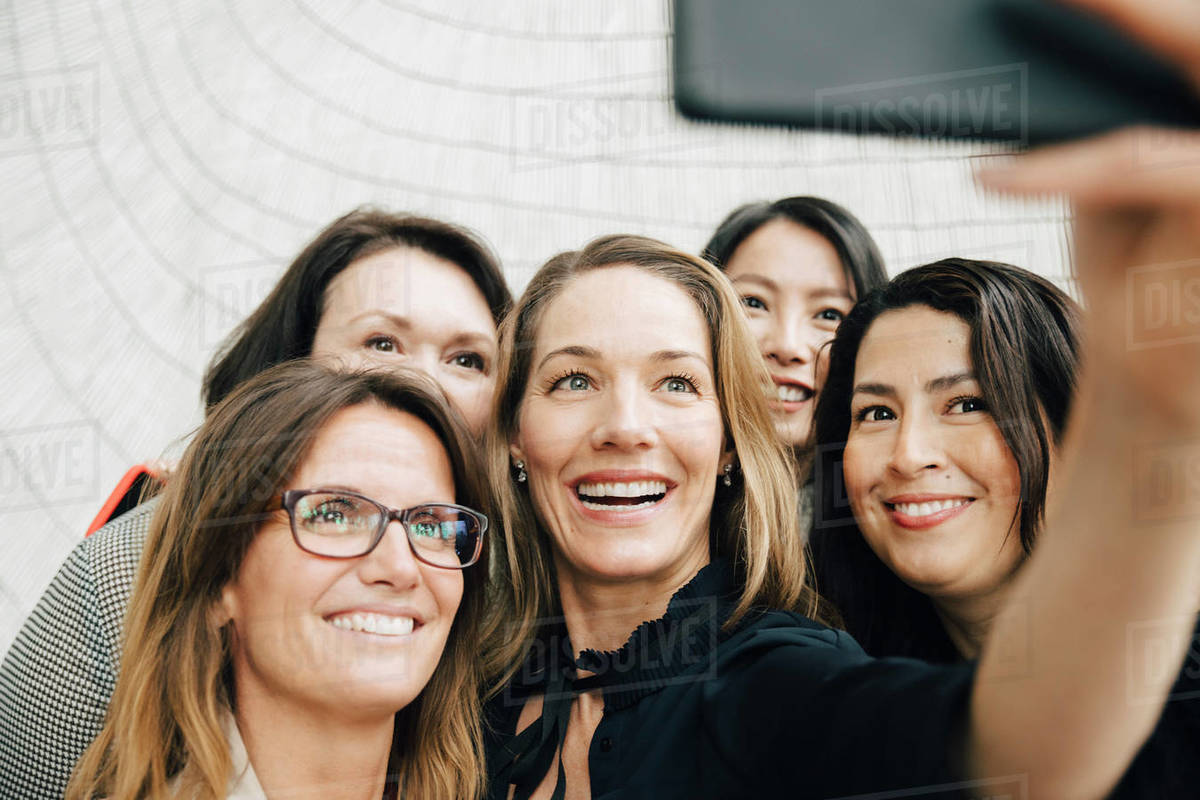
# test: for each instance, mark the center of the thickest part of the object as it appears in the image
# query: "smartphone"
(1022, 71)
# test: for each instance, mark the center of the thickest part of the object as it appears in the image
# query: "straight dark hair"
(1024, 350)
(855, 248)
(285, 323)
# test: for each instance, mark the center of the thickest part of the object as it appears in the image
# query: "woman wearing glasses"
(308, 574)
(372, 289)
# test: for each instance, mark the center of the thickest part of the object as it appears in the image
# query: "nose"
(392, 562)
(788, 340)
(917, 447)
(626, 421)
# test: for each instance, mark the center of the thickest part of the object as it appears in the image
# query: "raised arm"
(1105, 608)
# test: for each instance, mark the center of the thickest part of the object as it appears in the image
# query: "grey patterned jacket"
(59, 673)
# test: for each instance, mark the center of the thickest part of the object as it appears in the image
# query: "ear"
(224, 608)
(727, 457)
(516, 452)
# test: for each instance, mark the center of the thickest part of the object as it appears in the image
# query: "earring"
(520, 465)
(727, 480)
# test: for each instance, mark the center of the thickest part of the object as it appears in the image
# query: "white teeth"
(634, 489)
(925, 509)
(788, 393)
(607, 507)
(382, 624)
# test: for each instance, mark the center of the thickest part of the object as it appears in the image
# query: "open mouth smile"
(620, 495)
(790, 394)
(370, 622)
(925, 512)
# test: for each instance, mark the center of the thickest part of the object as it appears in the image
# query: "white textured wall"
(161, 161)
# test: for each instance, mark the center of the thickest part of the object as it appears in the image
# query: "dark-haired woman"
(304, 622)
(950, 389)
(798, 264)
(372, 289)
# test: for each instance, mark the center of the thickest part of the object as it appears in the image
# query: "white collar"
(243, 783)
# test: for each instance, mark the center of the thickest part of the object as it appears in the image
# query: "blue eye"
(679, 383)
(830, 315)
(575, 382)
(750, 301)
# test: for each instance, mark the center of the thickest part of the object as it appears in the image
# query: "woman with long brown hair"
(283, 636)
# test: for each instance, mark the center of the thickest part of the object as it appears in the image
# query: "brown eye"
(469, 361)
(382, 344)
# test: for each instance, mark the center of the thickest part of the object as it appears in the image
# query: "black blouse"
(777, 706)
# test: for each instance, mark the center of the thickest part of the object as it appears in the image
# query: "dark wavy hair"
(855, 248)
(1024, 349)
(285, 323)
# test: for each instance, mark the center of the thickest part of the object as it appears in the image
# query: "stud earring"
(727, 480)
(520, 465)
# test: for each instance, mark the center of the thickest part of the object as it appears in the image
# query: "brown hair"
(285, 323)
(754, 523)
(175, 682)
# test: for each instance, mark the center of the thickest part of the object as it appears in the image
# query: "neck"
(299, 752)
(601, 613)
(968, 619)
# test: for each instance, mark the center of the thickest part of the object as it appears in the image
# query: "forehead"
(408, 281)
(623, 311)
(917, 343)
(376, 449)
(790, 255)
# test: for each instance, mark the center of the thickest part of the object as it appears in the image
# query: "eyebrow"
(580, 351)
(767, 283)
(936, 385)
(403, 322)
(754, 278)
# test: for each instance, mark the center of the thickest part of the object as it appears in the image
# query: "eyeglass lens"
(345, 526)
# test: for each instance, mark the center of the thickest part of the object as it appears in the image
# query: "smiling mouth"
(628, 496)
(379, 624)
(792, 393)
(929, 508)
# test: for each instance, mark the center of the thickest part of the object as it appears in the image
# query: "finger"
(1132, 167)
(1169, 27)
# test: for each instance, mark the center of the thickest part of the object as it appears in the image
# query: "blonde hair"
(755, 522)
(175, 682)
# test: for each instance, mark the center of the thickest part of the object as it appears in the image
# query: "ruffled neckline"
(658, 651)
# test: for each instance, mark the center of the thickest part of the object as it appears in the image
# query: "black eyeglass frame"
(287, 500)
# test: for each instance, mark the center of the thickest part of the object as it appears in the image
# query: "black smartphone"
(1023, 71)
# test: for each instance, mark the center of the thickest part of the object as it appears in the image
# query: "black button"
(606, 745)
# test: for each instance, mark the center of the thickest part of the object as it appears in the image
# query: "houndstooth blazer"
(59, 673)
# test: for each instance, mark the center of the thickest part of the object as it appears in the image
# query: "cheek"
(446, 585)
(759, 327)
(860, 461)
(989, 461)
(549, 439)
(472, 397)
